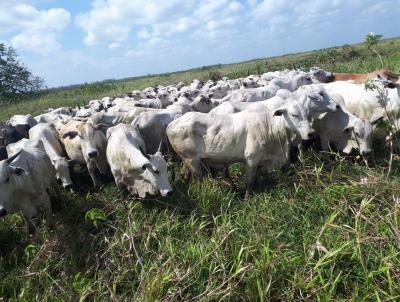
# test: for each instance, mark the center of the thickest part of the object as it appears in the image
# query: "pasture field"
(328, 229)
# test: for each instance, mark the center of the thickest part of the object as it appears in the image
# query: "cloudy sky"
(75, 41)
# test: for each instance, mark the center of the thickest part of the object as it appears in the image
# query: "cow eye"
(7, 180)
(156, 171)
(321, 93)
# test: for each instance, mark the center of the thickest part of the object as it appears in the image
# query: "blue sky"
(75, 41)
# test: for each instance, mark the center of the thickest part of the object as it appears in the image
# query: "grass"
(326, 230)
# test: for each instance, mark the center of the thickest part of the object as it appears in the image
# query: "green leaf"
(95, 215)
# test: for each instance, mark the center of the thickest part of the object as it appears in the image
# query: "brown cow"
(360, 78)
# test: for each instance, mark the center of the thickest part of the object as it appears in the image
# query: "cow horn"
(160, 146)
(11, 159)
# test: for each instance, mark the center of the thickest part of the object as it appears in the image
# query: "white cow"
(162, 101)
(64, 114)
(22, 123)
(22, 120)
(48, 135)
(132, 168)
(366, 103)
(204, 103)
(25, 178)
(85, 144)
(250, 82)
(255, 138)
(314, 100)
(370, 105)
(152, 124)
(111, 118)
(267, 92)
(344, 130)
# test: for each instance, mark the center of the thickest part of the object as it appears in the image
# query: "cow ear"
(70, 134)
(375, 119)
(17, 171)
(348, 129)
(280, 112)
(108, 133)
(155, 170)
(101, 127)
(11, 159)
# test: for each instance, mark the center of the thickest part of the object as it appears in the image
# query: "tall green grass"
(326, 230)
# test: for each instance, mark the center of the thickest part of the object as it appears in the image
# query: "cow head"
(163, 95)
(61, 166)
(9, 182)
(316, 101)
(361, 133)
(154, 171)
(321, 76)
(250, 82)
(91, 137)
(202, 103)
(219, 91)
(296, 119)
(386, 81)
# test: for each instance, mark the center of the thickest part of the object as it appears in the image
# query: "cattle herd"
(254, 120)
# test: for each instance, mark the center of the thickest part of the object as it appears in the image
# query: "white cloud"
(43, 44)
(32, 29)
(124, 15)
(151, 18)
(114, 45)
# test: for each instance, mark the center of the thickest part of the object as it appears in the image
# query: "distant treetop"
(15, 78)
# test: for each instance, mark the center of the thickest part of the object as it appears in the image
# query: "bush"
(215, 75)
(15, 78)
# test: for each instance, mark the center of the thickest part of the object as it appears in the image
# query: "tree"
(15, 78)
(372, 41)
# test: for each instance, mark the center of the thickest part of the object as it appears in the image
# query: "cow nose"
(311, 134)
(170, 193)
(67, 186)
(365, 152)
(3, 212)
(93, 154)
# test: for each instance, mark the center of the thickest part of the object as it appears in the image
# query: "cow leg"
(251, 169)
(185, 171)
(47, 208)
(324, 146)
(194, 166)
(30, 227)
(226, 173)
(92, 172)
(324, 143)
(300, 147)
